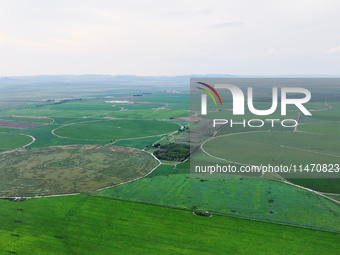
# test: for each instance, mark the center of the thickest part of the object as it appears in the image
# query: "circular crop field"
(70, 169)
(116, 129)
(12, 141)
(275, 148)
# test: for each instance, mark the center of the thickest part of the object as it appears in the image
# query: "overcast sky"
(148, 37)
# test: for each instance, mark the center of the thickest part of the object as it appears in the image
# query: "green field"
(165, 170)
(79, 108)
(88, 146)
(252, 198)
(69, 120)
(140, 143)
(45, 138)
(150, 114)
(275, 148)
(89, 225)
(36, 120)
(182, 100)
(70, 169)
(3, 129)
(140, 106)
(322, 116)
(328, 185)
(12, 141)
(286, 148)
(329, 128)
(116, 129)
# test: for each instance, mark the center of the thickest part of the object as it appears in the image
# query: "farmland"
(327, 185)
(62, 109)
(45, 138)
(138, 143)
(328, 128)
(12, 141)
(31, 119)
(2, 129)
(251, 198)
(88, 143)
(258, 148)
(150, 114)
(92, 225)
(116, 129)
(70, 169)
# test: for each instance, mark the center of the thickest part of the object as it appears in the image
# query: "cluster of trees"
(58, 102)
(173, 151)
(183, 129)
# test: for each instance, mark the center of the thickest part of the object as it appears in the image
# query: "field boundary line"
(33, 140)
(41, 196)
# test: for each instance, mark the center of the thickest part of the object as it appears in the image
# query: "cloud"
(271, 51)
(337, 49)
(43, 43)
(189, 12)
(227, 24)
(169, 38)
(6, 40)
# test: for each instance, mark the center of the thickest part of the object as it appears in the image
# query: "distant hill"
(106, 78)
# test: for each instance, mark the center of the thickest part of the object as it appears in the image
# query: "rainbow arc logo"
(209, 93)
(204, 97)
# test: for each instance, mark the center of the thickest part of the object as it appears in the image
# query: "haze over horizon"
(152, 38)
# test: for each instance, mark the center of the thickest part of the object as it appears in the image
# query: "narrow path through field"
(298, 120)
